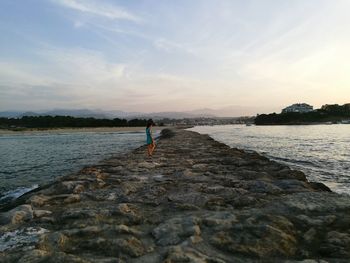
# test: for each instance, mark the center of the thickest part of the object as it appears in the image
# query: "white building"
(298, 107)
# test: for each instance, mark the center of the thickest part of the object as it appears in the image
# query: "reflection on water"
(33, 159)
(321, 151)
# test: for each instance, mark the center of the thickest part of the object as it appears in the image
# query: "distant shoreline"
(298, 124)
(73, 130)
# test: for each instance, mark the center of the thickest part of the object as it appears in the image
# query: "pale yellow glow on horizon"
(262, 55)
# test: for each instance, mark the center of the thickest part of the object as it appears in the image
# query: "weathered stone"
(72, 199)
(129, 187)
(317, 202)
(336, 245)
(291, 185)
(50, 242)
(17, 215)
(258, 241)
(263, 187)
(317, 221)
(174, 230)
(35, 256)
(131, 246)
(194, 201)
(112, 197)
(181, 254)
(310, 235)
(130, 211)
(41, 213)
(199, 166)
(188, 172)
(66, 187)
(123, 229)
(147, 165)
(78, 213)
(78, 189)
(39, 200)
(220, 220)
(259, 236)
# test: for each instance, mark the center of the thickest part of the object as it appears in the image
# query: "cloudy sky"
(151, 55)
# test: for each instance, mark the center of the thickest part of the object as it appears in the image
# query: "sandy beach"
(72, 130)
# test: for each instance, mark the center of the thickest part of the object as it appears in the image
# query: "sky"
(151, 55)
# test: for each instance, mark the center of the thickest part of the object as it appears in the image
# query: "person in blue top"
(151, 145)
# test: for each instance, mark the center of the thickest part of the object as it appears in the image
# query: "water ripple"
(28, 160)
(321, 151)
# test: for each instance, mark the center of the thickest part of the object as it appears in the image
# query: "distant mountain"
(120, 114)
(28, 113)
(229, 111)
(10, 114)
(82, 113)
(234, 111)
(170, 115)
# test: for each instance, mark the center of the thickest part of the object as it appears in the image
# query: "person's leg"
(149, 149)
(153, 146)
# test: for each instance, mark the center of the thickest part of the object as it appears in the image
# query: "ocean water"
(322, 152)
(30, 160)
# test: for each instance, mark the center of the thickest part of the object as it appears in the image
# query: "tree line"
(327, 113)
(67, 121)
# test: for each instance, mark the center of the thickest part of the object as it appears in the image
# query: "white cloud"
(98, 9)
(78, 24)
(81, 65)
(171, 46)
(93, 81)
(17, 74)
(203, 55)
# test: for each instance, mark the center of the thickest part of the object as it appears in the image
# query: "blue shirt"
(149, 136)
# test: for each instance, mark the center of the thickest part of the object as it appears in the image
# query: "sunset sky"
(152, 55)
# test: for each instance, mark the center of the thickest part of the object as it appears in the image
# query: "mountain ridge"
(227, 111)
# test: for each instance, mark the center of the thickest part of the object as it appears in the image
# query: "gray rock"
(39, 200)
(317, 202)
(336, 245)
(220, 220)
(17, 215)
(147, 165)
(174, 230)
(35, 256)
(73, 198)
(310, 235)
(41, 213)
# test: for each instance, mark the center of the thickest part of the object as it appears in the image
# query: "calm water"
(321, 151)
(33, 159)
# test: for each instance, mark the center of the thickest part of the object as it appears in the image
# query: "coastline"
(73, 130)
(198, 200)
(298, 123)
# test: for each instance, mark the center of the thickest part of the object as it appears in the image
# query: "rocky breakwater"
(196, 200)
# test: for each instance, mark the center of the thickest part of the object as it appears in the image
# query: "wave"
(15, 193)
(293, 161)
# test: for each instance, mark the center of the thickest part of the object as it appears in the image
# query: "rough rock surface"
(196, 200)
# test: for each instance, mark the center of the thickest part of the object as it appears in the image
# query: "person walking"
(151, 145)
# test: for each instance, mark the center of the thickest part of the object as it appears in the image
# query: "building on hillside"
(298, 107)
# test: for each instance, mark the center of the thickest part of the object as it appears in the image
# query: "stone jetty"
(196, 200)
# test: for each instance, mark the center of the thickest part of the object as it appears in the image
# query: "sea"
(30, 160)
(322, 152)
